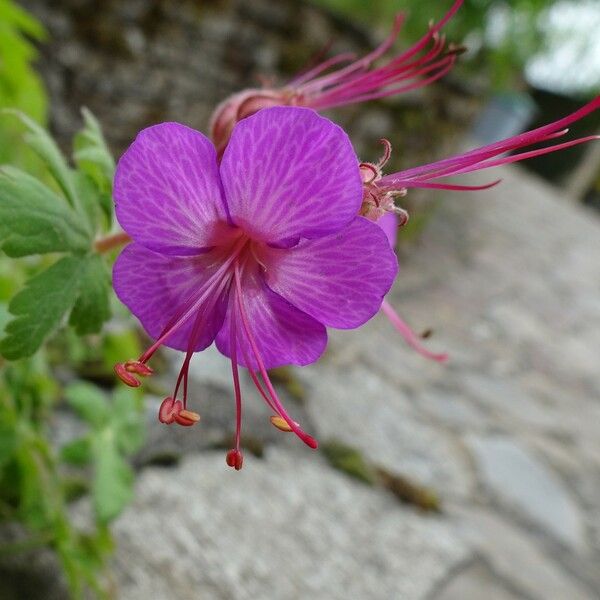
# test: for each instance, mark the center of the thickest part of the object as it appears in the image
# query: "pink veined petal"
(340, 279)
(157, 288)
(284, 335)
(168, 193)
(389, 224)
(290, 173)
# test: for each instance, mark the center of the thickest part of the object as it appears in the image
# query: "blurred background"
(475, 479)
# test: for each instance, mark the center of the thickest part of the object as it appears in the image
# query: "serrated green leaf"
(78, 452)
(40, 307)
(45, 147)
(92, 307)
(88, 195)
(91, 152)
(34, 220)
(89, 402)
(112, 489)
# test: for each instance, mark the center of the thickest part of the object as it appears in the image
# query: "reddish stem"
(109, 242)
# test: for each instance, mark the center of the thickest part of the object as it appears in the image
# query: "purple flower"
(259, 253)
(357, 81)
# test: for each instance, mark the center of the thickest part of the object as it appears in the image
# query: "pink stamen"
(217, 280)
(236, 379)
(449, 186)
(331, 62)
(478, 158)
(307, 439)
(357, 83)
(409, 335)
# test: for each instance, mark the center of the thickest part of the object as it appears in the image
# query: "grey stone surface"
(514, 475)
(474, 583)
(518, 558)
(285, 527)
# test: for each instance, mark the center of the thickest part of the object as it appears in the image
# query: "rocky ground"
(506, 434)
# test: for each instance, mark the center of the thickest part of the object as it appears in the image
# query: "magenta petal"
(389, 225)
(289, 173)
(340, 279)
(168, 193)
(283, 334)
(155, 287)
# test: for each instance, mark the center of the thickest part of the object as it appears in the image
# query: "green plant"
(60, 275)
(20, 86)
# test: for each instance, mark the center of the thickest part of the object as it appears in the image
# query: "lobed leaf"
(34, 220)
(91, 152)
(92, 307)
(45, 147)
(40, 307)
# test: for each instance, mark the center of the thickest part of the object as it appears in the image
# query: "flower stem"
(109, 242)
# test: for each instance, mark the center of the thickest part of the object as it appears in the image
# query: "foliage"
(36, 220)
(20, 86)
(60, 278)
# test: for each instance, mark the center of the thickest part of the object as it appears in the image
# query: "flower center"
(231, 266)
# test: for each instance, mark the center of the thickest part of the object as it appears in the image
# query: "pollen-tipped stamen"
(307, 439)
(237, 390)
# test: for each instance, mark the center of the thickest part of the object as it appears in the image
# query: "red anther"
(139, 368)
(125, 376)
(172, 411)
(281, 423)
(234, 459)
(187, 418)
(168, 411)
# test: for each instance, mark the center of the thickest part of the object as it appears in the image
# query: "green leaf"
(112, 489)
(91, 153)
(92, 308)
(78, 452)
(21, 20)
(34, 220)
(45, 147)
(8, 442)
(89, 402)
(40, 307)
(130, 430)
